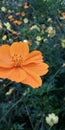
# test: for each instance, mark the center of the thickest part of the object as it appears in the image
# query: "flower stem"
(50, 128)
(21, 99)
(29, 116)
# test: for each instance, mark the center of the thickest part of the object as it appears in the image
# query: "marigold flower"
(20, 65)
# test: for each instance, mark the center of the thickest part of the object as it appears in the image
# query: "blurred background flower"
(52, 119)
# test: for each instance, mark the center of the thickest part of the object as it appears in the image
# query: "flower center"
(17, 60)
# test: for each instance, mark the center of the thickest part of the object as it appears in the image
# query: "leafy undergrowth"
(42, 23)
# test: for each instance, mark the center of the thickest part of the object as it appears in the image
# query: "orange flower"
(10, 17)
(20, 65)
(17, 22)
(63, 14)
(26, 5)
(16, 33)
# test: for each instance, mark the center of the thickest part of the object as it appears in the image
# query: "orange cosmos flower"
(63, 14)
(20, 65)
(26, 5)
(17, 22)
(16, 33)
(10, 17)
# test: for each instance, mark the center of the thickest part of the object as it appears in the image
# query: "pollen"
(17, 60)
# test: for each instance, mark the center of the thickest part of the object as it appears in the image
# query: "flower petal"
(14, 74)
(32, 79)
(19, 48)
(38, 68)
(33, 57)
(5, 58)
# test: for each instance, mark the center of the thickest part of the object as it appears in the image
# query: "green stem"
(50, 128)
(29, 116)
(56, 73)
(21, 99)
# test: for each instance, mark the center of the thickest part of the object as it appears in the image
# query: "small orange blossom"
(20, 65)
(16, 33)
(17, 22)
(10, 16)
(26, 5)
(63, 14)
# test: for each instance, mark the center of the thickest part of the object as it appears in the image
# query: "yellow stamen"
(17, 60)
